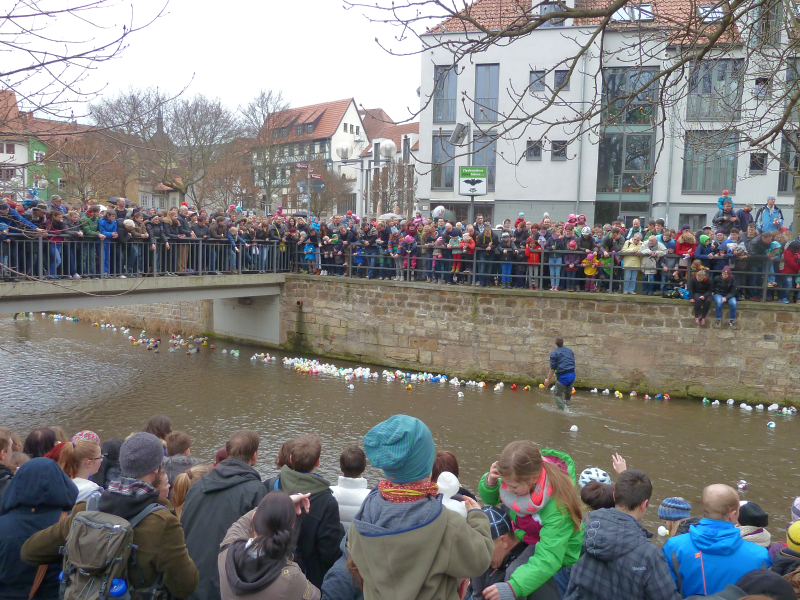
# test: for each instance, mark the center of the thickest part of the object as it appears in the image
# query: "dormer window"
(710, 14)
(309, 128)
(634, 13)
(549, 7)
(298, 130)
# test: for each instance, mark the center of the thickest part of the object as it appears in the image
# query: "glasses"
(99, 458)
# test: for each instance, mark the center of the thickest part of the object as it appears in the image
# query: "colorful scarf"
(409, 492)
(532, 503)
(127, 486)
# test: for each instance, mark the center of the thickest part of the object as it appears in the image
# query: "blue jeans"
(649, 284)
(630, 280)
(506, 266)
(787, 282)
(484, 267)
(719, 304)
(55, 258)
(371, 259)
(771, 270)
(555, 263)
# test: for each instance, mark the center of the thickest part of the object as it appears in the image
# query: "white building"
(601, 178)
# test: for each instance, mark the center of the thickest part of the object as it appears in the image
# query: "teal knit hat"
(402, 447)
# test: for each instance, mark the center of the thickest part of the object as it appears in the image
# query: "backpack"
(98, 549)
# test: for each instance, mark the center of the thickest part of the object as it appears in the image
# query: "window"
(709, 162)
(533, 150)
(7, 174)
(634, 12)
(162, 203)
(38, 155)
(558, 150)
(444, 95)
(758, 163)
(358, 130)
(695, 222)
(442, 172)
(486, 154)
(309, 128)
(284, 131)
(767, 29)
(762, 87)
(549, 7)
(345, 127)
(710, 14)
(630, 95)
(625, 166)
(276, 133)
(10, 148)
(715, 90)
(791, 82)
(562, 78)
(298, 130)
(789, 166)
(487, 83)
(537, 81)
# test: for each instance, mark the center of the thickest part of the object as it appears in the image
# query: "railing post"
(200, 256)
(765, 281)
(40, 273)
(154, 258)
(102, 258)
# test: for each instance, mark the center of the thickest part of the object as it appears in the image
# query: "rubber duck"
(663, 531)
(706, 401)
(513, 386)
(541, 386)
(759, 407)
(527, 388)
(351, 387)
(448, 487)
(574, 391)
(771, 425)
(667, 397)
(408, 387)
(594, 390)
(606, 392)
(633, 393)
(715, 403)
(730, 402)
(573, 428)
(460, 394)
(742, 484)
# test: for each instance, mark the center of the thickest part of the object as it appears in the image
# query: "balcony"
(301, 158)
(444, 110)
(486, 110)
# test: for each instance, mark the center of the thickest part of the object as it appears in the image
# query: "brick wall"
(187, 318)
(648, 344)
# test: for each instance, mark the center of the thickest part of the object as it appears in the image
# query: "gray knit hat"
(140, 455)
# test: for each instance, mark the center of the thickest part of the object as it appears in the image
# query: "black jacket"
(156, 232)
(175, 465)
(618, 561)
(609, 245)
(493, 576)
(5, 478)
(201, 231)
(321, 531)
(40, 492)
(700, 288)
(212, 505)
(785, 562)
(725, 287)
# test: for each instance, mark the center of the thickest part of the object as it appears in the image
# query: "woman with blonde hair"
(183, 482)
(80, 460)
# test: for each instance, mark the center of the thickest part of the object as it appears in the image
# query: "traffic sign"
(315, 176)
(472, 181)
(300, 165)
(318, 185)
(302, 186)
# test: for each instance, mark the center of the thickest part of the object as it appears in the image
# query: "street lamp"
(344, 150)
(388, 149)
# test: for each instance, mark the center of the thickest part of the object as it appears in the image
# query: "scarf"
(127, 486)
(757, 535)
(532, 503)
(408, 492)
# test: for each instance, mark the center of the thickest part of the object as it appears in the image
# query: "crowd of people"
(762, 255)
(87, 518)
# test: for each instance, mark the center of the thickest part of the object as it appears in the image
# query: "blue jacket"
(16, 221)
(562, 360)
(712, 555)
(107, 227)
(702, 252)
(34, 500)
(765, 219)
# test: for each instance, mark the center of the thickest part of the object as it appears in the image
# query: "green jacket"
(559, 544)
(89, 226)
(425, 561)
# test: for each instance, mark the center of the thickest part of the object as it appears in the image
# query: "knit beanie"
(793, 536)
(402, 447)
(140, 455)
(499, 523)
(753, 515)
(796, 509)
(89, 436)
(674, 509)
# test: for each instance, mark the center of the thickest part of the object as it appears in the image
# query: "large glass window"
(769, 23)
(537, 81)
(485, 155)
(715, 90)
(444, 95)
(625, 164)
(487, 84)
(442, 172)
(709, 162)
(630, 95)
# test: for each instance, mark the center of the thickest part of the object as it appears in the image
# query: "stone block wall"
(186, 318)
(648, 344)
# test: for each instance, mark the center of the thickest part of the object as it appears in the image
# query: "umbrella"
(387, 216)
(448, 215)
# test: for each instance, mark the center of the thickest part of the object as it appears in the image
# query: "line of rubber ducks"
(633, 394)
(61, 317)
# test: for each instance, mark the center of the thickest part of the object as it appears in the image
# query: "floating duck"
(351, 387)
(224, 351)
(646, 397)
(715, 403)
(448, 487)
(659, 397)
(662, 531)
(742, 484)
(573, 428)
(408, 387)
(553, 388)
(706, 401)
(771, 425)
(773, 407)
(541, 386)
(527, 388)
(606, 392)
(633, 393)
(759, 407)
(594, 391)
(513, 386)
(730, 402)
(460, 394)
(574, 391)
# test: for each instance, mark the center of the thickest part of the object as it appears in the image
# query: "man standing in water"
(562, 362)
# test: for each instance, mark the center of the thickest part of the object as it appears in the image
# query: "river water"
(80, 377)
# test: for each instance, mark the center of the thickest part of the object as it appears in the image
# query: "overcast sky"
(311, 50)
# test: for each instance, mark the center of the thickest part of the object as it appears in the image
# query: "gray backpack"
(98, 549)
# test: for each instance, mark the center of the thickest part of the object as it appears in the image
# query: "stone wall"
(648, 344)
(187, 318)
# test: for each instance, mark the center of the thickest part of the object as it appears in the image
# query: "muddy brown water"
(80, 377)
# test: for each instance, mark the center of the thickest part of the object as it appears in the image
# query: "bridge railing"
(26, 257)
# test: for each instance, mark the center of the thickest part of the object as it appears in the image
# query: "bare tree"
(90, 168)
(49, 48)
(661, 65)
(394, 186)
(319, 203)
(261, 118)
(228, 181)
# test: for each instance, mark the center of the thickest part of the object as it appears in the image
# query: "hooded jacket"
(159, 540)
(5, 479)
(618, 561)
(278, 579)
(631, 255)
(711, 556)
(175, 465)
(559, 542)
(417, 550)
(791, 258)
(320, 529)
(212, 505)
(34, 500)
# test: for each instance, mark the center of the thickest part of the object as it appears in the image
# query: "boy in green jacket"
(404, 543)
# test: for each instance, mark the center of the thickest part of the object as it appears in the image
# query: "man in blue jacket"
(562, 363)
(769, 217)
(713, 553)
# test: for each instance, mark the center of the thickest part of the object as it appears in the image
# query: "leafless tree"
(653, 64)
(394, 185)
(261, 118)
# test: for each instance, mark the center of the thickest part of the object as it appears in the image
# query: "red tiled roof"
(396, 133)
(10, 120)
(327, 116)
(374, 120)
(493, 14)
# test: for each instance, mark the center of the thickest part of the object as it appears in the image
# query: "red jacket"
(681, 249)
(534, 255)
(791, 262)
(468, 247)
(518, 221)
